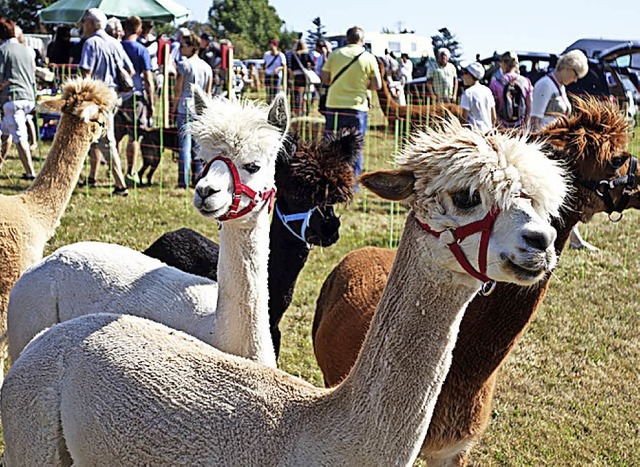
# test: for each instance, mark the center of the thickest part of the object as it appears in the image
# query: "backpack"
(513, 106)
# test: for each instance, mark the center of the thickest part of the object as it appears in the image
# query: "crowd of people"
(341, 80)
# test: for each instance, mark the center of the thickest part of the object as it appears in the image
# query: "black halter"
(629, 182)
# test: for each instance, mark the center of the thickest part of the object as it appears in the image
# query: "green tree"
(314, 35)
(448, 40)
(25, 13)
(249, 24)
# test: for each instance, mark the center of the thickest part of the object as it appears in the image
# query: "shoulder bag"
(312, 76)
(322, 103)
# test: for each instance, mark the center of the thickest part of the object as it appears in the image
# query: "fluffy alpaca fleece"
(94, 277)
(28, 220)
(106, 389)
(591, 144)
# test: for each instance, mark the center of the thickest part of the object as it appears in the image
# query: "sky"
(480, 27)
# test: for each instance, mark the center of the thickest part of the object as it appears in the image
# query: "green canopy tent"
(71, 11)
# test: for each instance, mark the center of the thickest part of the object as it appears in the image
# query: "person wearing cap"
(478, 105)
(550, 100)
(274, 61)
(510, 75)
(101, 56)
(442, 80)
(209, 50)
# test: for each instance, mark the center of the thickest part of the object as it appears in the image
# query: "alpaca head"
(313, 178)
(592, 142)
(240, 142)
(454, 176)
(88, 100)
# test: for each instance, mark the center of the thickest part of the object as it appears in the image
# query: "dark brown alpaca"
(152, 145)
(416, 114)
(592, 143)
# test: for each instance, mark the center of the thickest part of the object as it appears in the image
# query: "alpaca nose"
(539, 239)
(205, 191)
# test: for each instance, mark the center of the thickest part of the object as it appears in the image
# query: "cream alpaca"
(117, 389)
(28, 220)
(232, 314)
(592, 145)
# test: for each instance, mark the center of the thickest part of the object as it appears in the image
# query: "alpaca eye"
(466, 200)
(617, 162)
(251, 167)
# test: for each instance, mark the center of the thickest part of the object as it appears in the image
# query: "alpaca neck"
(243, 295)
(50, 192)
(287, 257)
(391, 391)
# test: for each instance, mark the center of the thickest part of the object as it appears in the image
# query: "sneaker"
(132, 180)
(28, 177)
(91, 182)
(120, 192)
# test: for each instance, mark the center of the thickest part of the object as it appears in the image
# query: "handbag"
(322, 102)
(311, 76)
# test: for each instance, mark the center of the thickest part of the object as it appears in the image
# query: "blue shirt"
(101, 54)
(141, 59)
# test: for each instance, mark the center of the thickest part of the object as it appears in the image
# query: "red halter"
(240, 189)
(485, 226)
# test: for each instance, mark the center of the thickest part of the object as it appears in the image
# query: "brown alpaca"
(416, 114)
(591, 144)
(28, 220)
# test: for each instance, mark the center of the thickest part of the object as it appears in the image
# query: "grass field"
(568, 395)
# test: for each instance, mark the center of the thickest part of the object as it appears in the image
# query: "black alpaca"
(311, 180)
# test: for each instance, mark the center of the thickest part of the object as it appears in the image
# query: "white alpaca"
(92, 277)
(121, 390)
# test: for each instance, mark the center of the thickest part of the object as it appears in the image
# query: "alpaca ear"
(199, 98)
(394, 185)
(349, 145)
(279, 113)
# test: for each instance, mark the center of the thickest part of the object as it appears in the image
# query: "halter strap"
(484, 225)
(603, 187)
(240, 189)
(305, 217)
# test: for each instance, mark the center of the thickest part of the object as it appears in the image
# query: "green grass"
(568, 394)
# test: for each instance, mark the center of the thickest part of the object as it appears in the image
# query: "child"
(478, 105)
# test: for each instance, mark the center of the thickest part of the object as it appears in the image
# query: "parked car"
(606, 78)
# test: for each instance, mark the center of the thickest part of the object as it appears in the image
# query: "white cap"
(476, 70)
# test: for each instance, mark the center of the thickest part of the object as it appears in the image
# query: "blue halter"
(305, 217)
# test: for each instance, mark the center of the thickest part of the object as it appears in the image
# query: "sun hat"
(476, 70)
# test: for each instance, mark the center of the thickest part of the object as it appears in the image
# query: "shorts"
(131, 118)
(14, 119)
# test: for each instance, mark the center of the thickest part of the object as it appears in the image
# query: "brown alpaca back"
(345, 307)
(417, 114)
